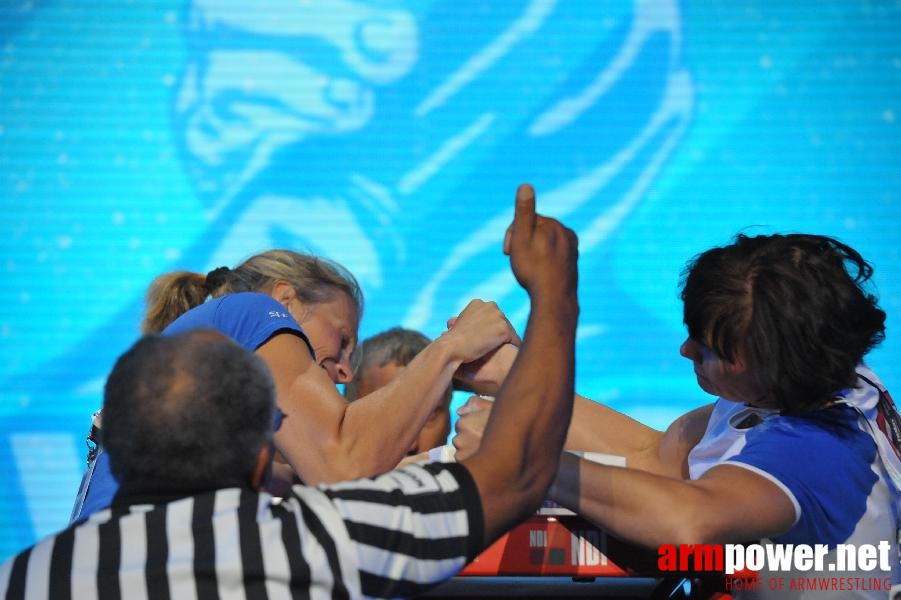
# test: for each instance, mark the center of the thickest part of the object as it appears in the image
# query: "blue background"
(141, 137)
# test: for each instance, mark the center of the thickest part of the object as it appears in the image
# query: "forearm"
(599, 428)
(733, 505)
(611, 498)
(379, 428)
(595, 427)
(325, 438)
(401, 408)
(532, 412)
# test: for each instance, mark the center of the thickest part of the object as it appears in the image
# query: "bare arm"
(518, 456)
(728, 504)
(325, 438)
(594, 427)
(599, 428)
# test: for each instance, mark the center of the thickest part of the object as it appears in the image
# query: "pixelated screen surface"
(142, 137)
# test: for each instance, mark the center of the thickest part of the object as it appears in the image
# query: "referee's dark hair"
(187, 412)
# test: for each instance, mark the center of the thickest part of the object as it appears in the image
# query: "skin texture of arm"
(325, 438)
(728, 504)
(598, 428)
(524, 435)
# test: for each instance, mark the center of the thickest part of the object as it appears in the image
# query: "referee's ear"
(263, 470)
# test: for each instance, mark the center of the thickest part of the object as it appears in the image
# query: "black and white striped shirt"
(391, 536)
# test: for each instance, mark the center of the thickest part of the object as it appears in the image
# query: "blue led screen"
(142, 137)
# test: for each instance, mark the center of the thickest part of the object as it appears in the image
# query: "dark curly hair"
(188, 412)
(792, 307)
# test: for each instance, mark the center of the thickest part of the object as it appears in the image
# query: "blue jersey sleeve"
(824, 463)
(249, 318)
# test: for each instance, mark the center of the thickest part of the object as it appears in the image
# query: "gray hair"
(395, 345)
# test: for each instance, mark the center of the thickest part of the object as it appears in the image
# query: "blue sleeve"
(823, 464)
(249, 318)
(98, 486)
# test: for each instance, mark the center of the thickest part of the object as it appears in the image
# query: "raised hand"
(523, 435)
(543, 252)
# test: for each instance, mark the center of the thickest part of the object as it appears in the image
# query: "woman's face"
(331, 328)
(717, 376)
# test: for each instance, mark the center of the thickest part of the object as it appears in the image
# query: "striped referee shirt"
(392, 536)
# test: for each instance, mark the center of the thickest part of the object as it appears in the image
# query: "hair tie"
(216, 278)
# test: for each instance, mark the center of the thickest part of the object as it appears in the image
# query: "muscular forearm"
(610, 497)
(524, 435)
(531, 412)
(325, 438)
(599, 428)
(379, 428)
(732, 505)
(595, 427)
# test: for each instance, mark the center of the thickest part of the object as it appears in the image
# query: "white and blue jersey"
(836, 465)
(824, 462)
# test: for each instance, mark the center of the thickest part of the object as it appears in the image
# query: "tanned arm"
(324, 438)
(524, 435)
(727, 504)
(599, 428)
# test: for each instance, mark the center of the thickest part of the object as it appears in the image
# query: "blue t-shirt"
(249, 318)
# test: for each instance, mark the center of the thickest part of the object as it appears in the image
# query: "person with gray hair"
(378, 360)
(190, 422)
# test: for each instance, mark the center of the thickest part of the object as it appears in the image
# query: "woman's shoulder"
(832, 430)
(250, 312)
(249, 318)
(239, 300)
